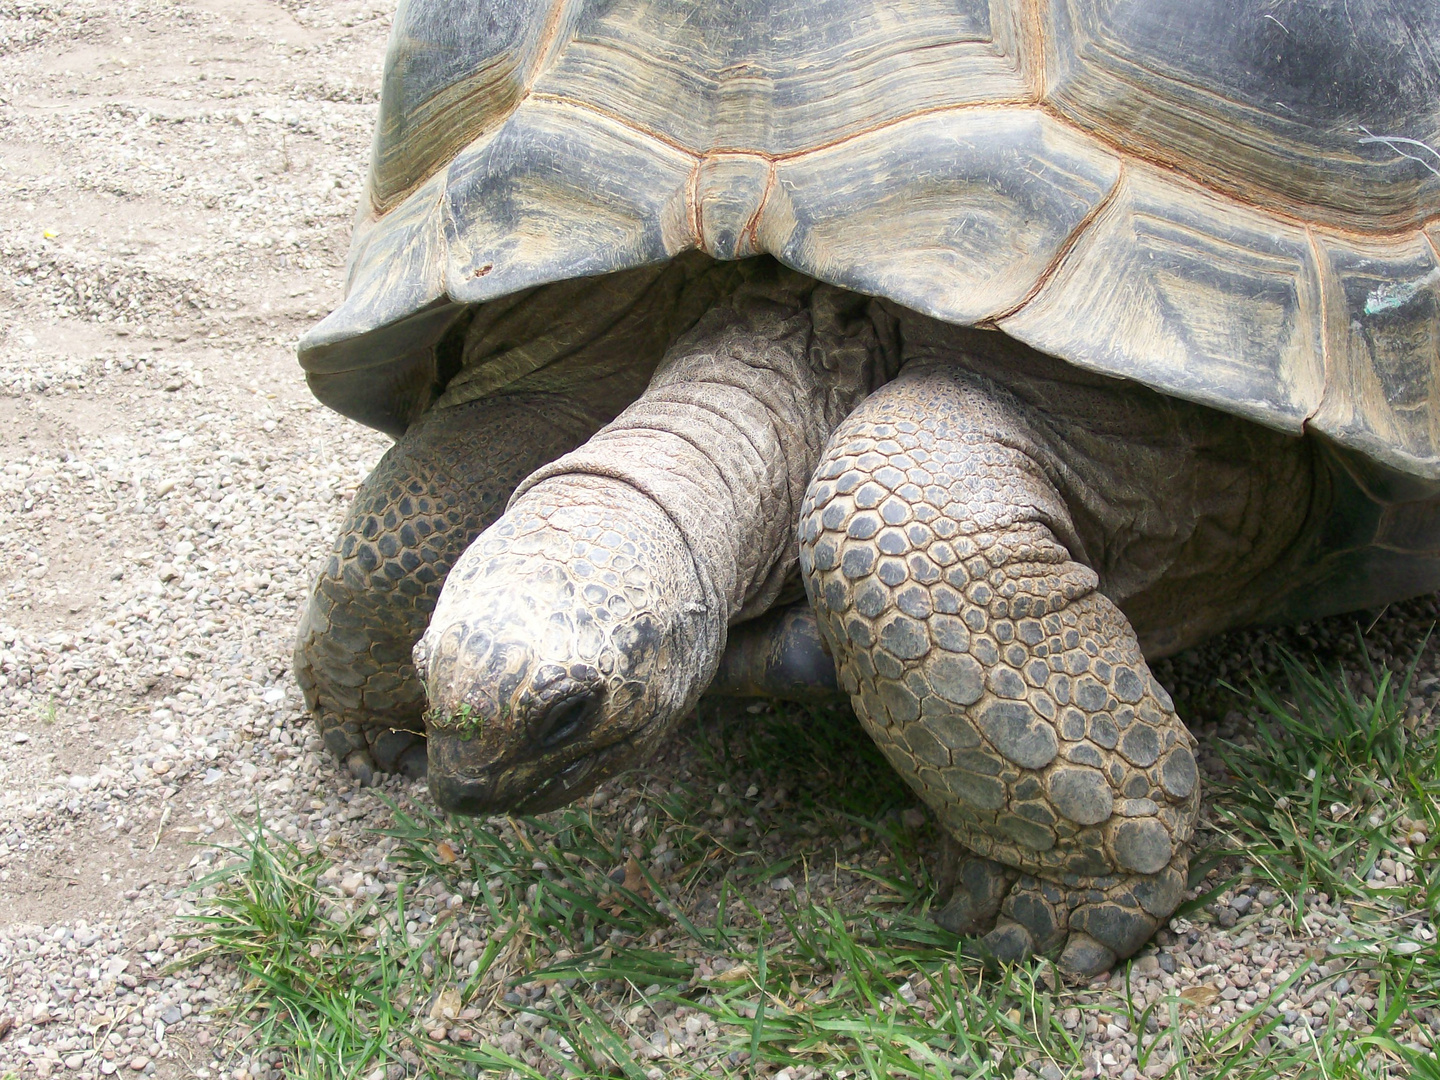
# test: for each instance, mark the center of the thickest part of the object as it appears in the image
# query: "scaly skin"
(431, 494)
(1003, 686)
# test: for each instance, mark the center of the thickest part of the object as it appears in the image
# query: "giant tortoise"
(1034, 339)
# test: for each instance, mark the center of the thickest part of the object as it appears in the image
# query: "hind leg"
(432, 493)
(1006, 689)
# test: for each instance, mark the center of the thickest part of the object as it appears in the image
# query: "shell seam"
(585, 106)
(1066, 246)
(1286, 216)
(548, 34)
(1049, 111)
(692, 198)
(1322, 267)
(1151, 155)
(547, 40)
(1037, 76)
(1007, 104)
(482, 132)
(752, 227)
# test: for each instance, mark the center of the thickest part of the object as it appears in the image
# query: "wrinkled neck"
(727, 436)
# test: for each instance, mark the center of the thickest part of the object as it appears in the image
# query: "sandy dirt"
(176, 186)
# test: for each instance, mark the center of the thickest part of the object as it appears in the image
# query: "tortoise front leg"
(779, 655)
(432, 493)
(1006, 689)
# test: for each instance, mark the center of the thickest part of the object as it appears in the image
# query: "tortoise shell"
(1236, 202)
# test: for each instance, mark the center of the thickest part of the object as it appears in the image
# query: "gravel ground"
(176, 185)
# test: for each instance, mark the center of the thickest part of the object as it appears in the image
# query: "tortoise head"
(567, 641)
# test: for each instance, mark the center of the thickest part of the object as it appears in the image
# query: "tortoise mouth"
(532, 786)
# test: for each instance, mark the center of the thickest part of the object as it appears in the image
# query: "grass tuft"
(767, 911)
(1336, 800)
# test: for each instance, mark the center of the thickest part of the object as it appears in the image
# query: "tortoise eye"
(568, 718)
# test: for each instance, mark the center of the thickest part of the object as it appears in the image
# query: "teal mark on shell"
(1396, 294)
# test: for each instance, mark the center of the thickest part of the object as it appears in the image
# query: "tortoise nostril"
(568, 718)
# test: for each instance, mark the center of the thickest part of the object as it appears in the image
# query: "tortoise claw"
(1084, 958)
(361, 766)
(1009, 943)
(978, 887)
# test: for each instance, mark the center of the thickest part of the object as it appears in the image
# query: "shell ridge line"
(752, 227)
(633, 57)
(1032, 33)
(1122, 70)
(615, 118)
(1434, 251)
(999, 105)
(692, 204)
(1323, 271)
(1066, 246)
(1214, 190)
(544, 46)
(948, 43)
(448, 225)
